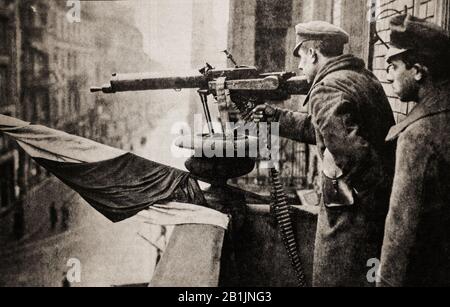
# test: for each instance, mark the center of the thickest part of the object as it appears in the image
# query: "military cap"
(409, 33)
(318, 30)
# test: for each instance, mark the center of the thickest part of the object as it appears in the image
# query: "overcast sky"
(167, 28)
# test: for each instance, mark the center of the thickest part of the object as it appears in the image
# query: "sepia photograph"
(202, 144)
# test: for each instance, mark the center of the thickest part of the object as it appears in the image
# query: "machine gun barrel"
(241, 79)
(151, 81)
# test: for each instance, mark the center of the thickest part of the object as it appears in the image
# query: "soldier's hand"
(263, 113)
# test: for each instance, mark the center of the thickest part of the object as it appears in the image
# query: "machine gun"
(247, 88)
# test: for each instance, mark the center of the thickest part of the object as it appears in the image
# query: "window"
(443, 14)
(58, 27)
(3, 144)
(52, 20)
(42, 107)
(40, 64)
(39, 107)
(43, 17)
(60, 99)
(75, 62)
(3, 85)
(68, 61)
(4, 35)
(64, 30)
(337, 9)
(55, 57)
(7, 183)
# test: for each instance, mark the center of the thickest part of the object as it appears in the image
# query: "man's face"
(307, 63)
(403, 80)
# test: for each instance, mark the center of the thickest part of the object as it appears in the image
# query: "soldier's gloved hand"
(263, 113)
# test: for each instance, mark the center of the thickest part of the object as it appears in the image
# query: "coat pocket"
(336, 192)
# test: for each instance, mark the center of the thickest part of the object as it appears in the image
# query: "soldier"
(349, 117)
(416, 247)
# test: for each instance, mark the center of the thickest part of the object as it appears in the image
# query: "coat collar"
(434, 102)
(342, 62)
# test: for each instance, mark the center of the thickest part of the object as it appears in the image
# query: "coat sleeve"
(407, 206)
(296, 126)
(336, 118)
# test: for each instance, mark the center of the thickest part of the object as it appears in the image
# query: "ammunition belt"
(282, 212)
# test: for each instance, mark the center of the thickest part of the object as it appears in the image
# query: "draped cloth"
(119, 185)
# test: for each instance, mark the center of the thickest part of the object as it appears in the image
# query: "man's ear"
(313, 54)
(421, 72)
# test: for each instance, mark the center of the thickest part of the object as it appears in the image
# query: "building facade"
(48, 61)
(9, 103)
(436, 11)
